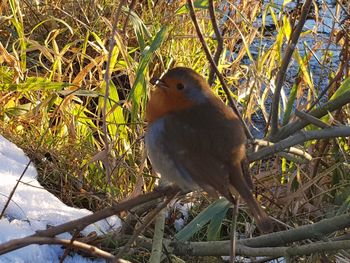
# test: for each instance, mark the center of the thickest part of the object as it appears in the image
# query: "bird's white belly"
(160, 157)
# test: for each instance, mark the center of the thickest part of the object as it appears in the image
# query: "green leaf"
(291, 100)
(202, 4)
(344, 87)
(99, 42)
(304, 69)
(215, 224)
(274, 18)
(141, 30)
(287, 28)
(138, 91)
(203, 218)
(82, 93)
(35, 83)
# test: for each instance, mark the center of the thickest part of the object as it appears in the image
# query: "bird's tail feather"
(238, 182)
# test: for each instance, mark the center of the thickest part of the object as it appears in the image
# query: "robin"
(195, 141)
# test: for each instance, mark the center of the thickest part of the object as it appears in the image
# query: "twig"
(317, 247)
(297, 125)
(68, 249)
(106, 77)
(313, 231)
(14, 189)
(30, 240)
(299, 138)
(336, 78)
(131, 7)
(219, 39)
(147, 221)
(213, 66)
(285, 62)
(81, 223)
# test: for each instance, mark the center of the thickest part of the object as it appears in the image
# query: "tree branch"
(292, 150)
(295, 126)
(286, 59)
(231, 102)
(300, 137)
(317, 230)
(267, 245)
(157, 243)
(219, 39)
(311, 119)
(221, 248)
(83, 222)
(73, 244)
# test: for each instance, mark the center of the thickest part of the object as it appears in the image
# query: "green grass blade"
(203, 218)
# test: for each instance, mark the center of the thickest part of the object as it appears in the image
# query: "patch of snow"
(33, 208)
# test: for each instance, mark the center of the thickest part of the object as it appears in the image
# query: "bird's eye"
(180, 86)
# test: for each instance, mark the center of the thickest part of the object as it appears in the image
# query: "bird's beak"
(158, 82)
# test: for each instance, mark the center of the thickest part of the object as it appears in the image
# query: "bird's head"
(180, 88)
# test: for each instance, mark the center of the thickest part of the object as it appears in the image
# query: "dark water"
(320, 37)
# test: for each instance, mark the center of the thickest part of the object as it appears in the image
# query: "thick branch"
(316, 230)
(299, 138)
(261, 246)
(221, 248)
(295, 126)
(311, 119)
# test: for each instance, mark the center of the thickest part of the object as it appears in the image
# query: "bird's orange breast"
(163, 101)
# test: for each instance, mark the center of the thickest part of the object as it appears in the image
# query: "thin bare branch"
(131, 7)
(148, 220)
(219, 39)
(14, 189)
(107, 77)
(213, 65)
(285, 62)
(73, 244)
(83, 222)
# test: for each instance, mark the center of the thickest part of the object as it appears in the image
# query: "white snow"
(32, 208)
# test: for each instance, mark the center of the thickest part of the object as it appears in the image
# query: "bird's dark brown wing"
(203, 140)
(208, 145)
